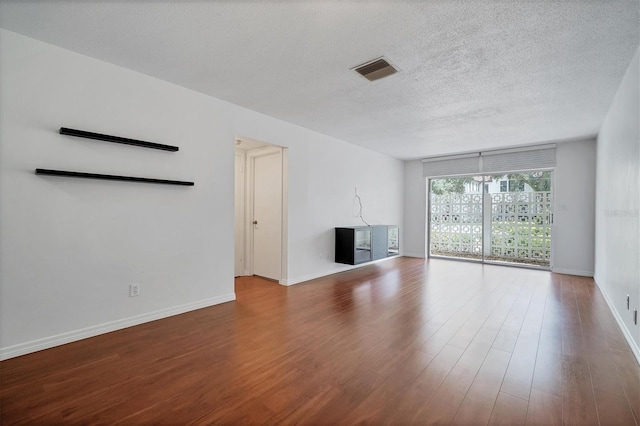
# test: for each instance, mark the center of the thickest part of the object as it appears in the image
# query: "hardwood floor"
(405, 341)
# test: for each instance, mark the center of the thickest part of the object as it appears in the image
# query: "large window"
(510, 221)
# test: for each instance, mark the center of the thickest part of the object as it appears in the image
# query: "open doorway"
(260, 209)
(500, 218)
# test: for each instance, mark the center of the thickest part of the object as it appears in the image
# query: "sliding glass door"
(500, 218)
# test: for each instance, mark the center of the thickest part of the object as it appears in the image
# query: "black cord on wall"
(360, 212)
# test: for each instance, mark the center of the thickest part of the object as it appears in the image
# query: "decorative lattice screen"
(520, 226)
(456, 225)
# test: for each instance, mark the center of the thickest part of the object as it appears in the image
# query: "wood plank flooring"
(405, 341)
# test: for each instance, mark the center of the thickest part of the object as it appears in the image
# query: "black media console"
(360, 244)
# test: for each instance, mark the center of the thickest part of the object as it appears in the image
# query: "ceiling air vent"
(376, 69)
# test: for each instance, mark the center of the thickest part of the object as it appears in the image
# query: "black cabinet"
(360, 244)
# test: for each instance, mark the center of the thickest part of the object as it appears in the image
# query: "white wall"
(322, 175)
(574, 213)
(618, 204)
(70, 247)
(415, 210)
(573, 236)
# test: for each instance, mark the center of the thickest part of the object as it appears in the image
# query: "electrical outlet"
(134, 290)
(627, 302)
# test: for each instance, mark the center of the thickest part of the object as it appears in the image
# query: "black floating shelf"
(116, 139)
(65, 173)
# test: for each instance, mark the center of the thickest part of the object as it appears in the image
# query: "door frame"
(240, 202)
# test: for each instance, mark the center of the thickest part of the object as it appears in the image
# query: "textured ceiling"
(475, 74)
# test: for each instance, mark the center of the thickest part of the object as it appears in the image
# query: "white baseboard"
(572, 272)
(625, 331)
(72, 336)
(308, 277)
(343, 268)
(418, 255)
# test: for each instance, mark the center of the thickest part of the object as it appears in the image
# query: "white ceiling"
(475, 74)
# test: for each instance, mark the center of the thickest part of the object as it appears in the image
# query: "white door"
(267, 215)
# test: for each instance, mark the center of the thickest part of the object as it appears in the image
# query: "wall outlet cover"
(134, 290)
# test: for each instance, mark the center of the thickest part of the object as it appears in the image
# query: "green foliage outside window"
(537, 181)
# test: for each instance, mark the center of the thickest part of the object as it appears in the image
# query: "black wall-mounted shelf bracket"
(65, 173)
(116, 139)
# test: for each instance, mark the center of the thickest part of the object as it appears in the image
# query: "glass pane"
(393, 244)
(363, 245)
(456, 217)
(520, 222)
